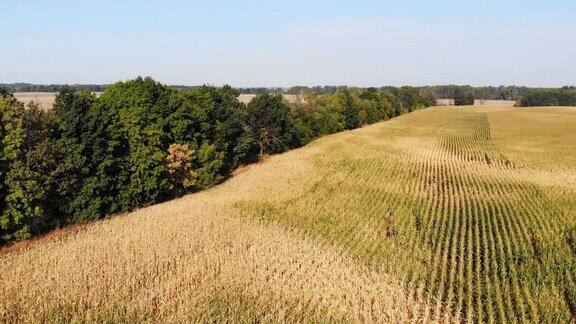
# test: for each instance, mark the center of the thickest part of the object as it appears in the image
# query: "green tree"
(328, 116)
(21, 194)
(409, 99)
(134, 113)
(68, 158)
(305, 116)
(4, 92)
(548, 97)
(350, 109)
(373, 106)
(269, 116)
(463, 98)
(209, 162)
(222, 122)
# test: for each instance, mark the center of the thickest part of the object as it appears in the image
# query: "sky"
(287, 43)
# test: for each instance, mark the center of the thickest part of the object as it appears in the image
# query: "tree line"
(28, 87)
(462, 94)
(431, 92)
(141, 142)
(548, 97)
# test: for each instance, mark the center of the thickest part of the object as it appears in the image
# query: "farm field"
(246, 98)
(44, 99)
(443, 214)
(478, 102)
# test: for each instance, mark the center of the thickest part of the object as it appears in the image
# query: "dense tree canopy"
(141, 142)
(428, 92)
(549, 97)
(463, 97)
(270, 118)
(4, 92)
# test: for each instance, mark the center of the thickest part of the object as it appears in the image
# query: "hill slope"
(457, 213)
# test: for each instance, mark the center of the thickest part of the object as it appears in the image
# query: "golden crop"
(444, 214)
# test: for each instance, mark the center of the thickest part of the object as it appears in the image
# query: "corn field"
(441, 215)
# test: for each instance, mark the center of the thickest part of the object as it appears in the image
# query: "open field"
(478, 102)
(482, 102)
(44, 99)
(246, 98)
(444, 214)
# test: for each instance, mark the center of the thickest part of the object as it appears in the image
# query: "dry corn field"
(445, 214)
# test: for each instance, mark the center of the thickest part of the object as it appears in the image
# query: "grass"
(445, 214)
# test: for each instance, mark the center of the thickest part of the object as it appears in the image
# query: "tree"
(409, 99)
(4, 92)
(328, 116)
(463, 98)
(548, 97)
(305, 121)
(269, 117)
(209, 163)
(133, 114)
(182, 176)
(69, 159)
(350, 109)
(222, 122)
(22, 213)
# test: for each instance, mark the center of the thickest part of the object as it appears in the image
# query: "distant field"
(443, 214)
(482, 102)
(246, 98)
(478, 102)
(46, 99)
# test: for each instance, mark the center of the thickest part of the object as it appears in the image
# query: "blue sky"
(271, 43)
